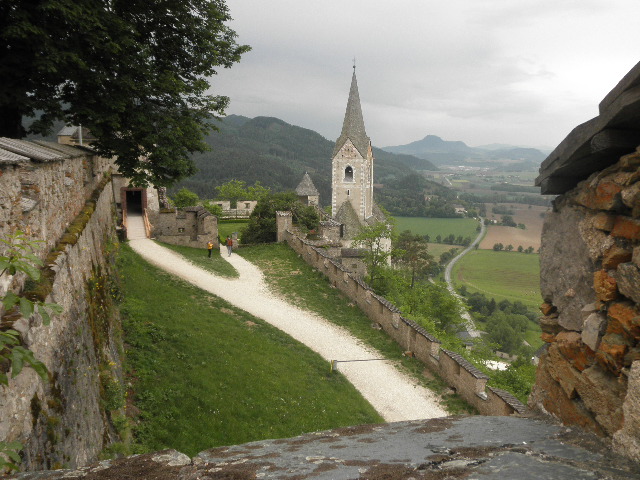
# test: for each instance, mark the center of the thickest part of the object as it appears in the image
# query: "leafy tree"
(507, 220)
(529, 250)
(262, 222)
(413, 252)
(235, 190)
(213, 209)
(498, 246)
(135, 73)
(185, 198)
(509, 248)
(374, 239)
(520, 249)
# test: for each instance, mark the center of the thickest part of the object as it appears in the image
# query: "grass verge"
(204, 373)
(200, 256)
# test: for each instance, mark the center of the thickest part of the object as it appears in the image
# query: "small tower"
(307, 191)
(352, 161)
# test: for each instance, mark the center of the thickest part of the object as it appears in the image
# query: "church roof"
(306, 187)
(353, 126)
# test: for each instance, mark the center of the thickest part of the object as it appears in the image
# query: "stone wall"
(189, 227)
(468, 381)
(590, 281)
(63, 422)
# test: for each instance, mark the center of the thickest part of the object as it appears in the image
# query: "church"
(352, 204)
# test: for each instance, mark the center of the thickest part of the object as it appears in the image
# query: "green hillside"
(277, 154)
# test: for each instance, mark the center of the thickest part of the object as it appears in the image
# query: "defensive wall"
(469, 382)
(62, 195)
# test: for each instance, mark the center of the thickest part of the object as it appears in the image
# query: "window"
(348, 192)
(348, 174)
(246, 205)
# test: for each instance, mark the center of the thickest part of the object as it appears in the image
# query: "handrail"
(147, 224)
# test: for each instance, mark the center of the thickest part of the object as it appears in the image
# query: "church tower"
(352, 163)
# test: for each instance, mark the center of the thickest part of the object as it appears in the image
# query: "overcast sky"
(522, 72)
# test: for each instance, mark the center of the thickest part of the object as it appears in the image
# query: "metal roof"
(10, 158)
(30, 150)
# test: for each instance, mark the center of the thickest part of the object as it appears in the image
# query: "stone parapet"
(457, 372)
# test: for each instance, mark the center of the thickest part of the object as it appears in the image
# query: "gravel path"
(394, 395)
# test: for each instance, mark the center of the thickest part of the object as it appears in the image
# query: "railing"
(147, 224)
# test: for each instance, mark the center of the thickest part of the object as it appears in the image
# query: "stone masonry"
(590, 282)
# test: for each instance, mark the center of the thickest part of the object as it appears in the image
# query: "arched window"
(348, 174)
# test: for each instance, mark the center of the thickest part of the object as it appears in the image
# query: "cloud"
(522, 72)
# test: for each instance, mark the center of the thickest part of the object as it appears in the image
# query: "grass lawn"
(206, 374)
(200, 257)
(295, 280)
(227, 227)
(437, 249)
(438, 226)
(501, 275)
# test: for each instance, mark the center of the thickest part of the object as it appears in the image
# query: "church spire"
(353, 125)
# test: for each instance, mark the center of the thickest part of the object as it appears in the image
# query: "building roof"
(597, 143)
(306, 187)
(353, 125)
(30, 150)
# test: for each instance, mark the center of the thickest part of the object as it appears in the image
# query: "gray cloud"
(487, 71)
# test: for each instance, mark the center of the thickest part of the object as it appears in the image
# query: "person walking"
(210, 247)
(229, 245)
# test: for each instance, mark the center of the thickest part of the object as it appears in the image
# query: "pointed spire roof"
(353, 126)
(306, 187)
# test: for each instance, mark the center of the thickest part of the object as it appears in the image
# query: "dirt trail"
(394, 395)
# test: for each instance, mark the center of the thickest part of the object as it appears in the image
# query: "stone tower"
(352, 162)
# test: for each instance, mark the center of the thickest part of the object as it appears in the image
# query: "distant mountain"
(277, 154)
(442, 152)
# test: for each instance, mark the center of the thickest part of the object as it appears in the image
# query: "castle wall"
(190, 227)
(590, 281)
(468, 381)
(63, 422)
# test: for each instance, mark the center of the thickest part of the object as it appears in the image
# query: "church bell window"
(348, 174)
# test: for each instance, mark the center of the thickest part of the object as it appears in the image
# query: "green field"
(437, 249)
(501, 275)
(227, 227)
(438, 226)
(203, 373)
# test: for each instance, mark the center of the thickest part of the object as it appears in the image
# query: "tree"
(498, 246)
(135, 73)
(507, 220)
(374, 240)
(262, 222)
(509, 248)
(520, 249)
(235, 190)
(413, 252)
(185, 198)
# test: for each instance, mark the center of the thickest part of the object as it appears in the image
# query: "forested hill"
(277, 154)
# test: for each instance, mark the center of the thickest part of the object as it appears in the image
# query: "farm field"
(438, 226)
(501, 275)
(530, 216)
(437, 249)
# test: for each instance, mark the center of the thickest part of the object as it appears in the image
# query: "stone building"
(590, 274)
(189, 226)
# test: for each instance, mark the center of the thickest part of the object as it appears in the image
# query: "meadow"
(466, 227)
(502, 275)
(203, 373)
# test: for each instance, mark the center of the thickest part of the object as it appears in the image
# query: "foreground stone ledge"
(454, 447)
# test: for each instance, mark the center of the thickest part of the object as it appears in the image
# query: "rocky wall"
(67, 421)
(590, 282)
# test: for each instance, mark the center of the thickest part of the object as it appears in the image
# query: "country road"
(470, 326)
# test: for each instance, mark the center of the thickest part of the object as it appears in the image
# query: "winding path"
(470, 326)
(395, 396)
